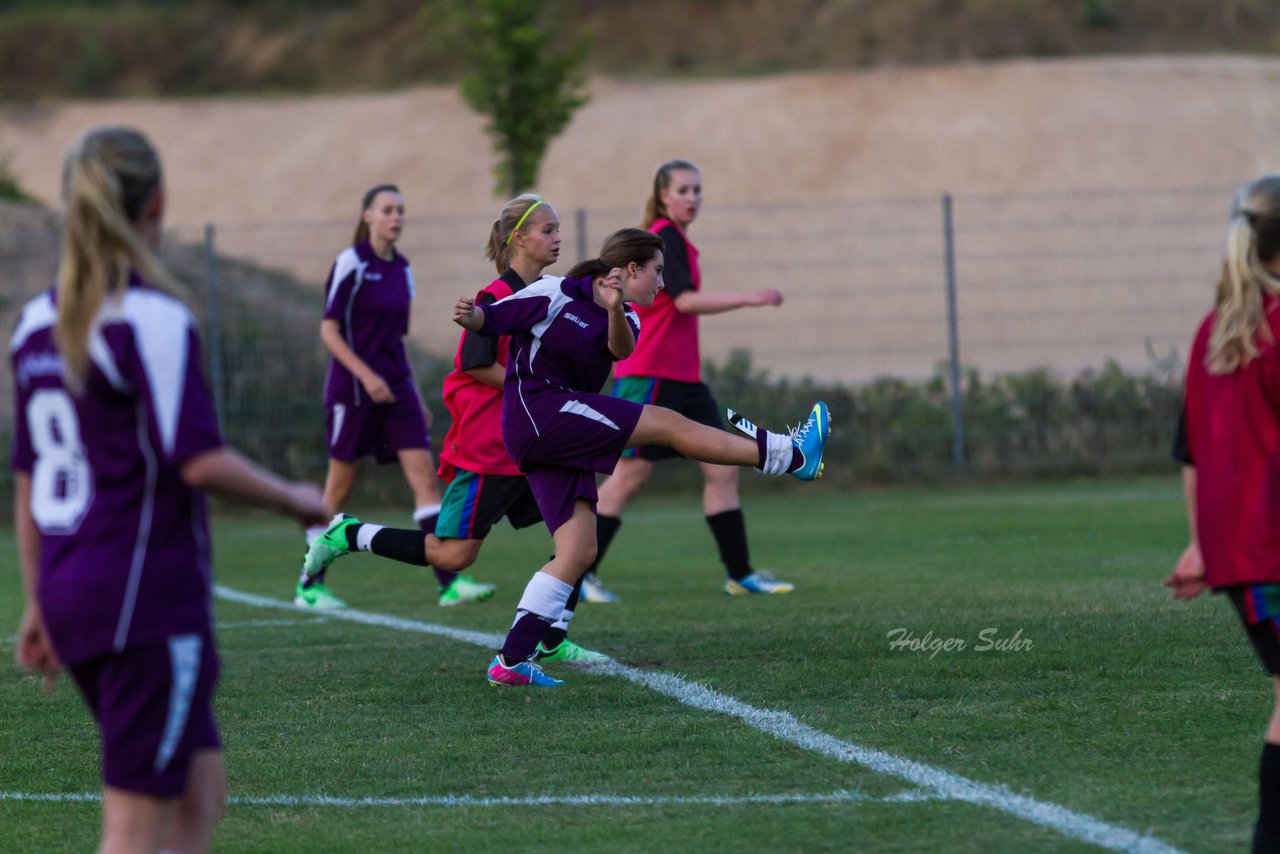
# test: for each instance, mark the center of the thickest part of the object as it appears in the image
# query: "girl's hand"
(34, 650)
(377, 389)
(1187, 579)
(466, 315)
(768, 296)
(609, 289)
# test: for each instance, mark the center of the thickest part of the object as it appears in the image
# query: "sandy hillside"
(1005, 128)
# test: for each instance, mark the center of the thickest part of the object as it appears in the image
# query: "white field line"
(838, 797)
(784, 726)
(254, 624)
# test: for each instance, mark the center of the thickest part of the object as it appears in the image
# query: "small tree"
(526, 85)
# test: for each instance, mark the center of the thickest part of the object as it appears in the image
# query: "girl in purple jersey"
(666, 370)
(115, 441)
(371, 400)
(565, 336)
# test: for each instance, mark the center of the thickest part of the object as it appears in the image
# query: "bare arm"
(227, 472)
(34, 650)
(622, 341)
(494, 375)
(1187, 579)
(375, 385)
(697, 302)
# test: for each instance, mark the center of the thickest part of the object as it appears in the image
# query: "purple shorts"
(381, 430)
(154, 708)
(586, 436)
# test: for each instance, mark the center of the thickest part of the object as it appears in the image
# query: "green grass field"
(1133, 715)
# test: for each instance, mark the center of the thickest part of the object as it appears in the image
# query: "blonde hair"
(498, 249)
(1253, 241)
(654, 209)
(109, 176)
(362, 227)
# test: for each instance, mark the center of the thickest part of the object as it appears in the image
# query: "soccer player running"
(1230, 448)
(115, 439)
(484, 483)
(665, 370)
(371, 401)
(566, 334)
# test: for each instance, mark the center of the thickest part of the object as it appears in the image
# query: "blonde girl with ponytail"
(1229, 445)
(115, 442)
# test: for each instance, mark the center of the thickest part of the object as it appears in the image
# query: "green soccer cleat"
(329, 546)
(317, 597)
(464, 590)
(567, 650)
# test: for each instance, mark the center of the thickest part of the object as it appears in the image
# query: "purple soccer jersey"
(554, 422)
(370, 299)
(124, 558)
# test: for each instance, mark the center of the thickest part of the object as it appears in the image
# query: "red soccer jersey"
(668, 347)
(474, 441)
(1233, 434)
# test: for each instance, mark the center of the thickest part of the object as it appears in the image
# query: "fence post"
(580, 218)
(953, 336)
(213, 319)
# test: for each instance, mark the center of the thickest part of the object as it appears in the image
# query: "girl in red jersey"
(1230, 447)
(372, 406)
(484, 483)
(115, 441)
(665, 370)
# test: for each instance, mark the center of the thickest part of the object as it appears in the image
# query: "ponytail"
(362, 227)
(109, 176)
(511, 219)
(654, 209)
(1253, 241)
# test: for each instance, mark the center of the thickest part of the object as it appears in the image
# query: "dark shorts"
(154, 708)
(380, 430)
(474, 503)
(1258, 606)
(585, 435)
(692, 400)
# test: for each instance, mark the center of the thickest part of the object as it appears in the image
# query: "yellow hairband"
(521, 220)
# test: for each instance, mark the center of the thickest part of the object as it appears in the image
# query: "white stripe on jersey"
(408, 277)
(161, 325)
(347, 261)
(38, 314)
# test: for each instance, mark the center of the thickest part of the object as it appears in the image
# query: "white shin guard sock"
(545, 596)
(778, 453)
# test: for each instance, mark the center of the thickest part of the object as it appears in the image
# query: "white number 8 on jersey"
(62, 481)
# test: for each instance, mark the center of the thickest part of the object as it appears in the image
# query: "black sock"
(606, 529)
(1266, 834)
(730, 531)
(403, 544)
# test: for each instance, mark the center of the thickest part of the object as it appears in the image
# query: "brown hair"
(109, 176)
(498, 249)
(1253, 241)
(654, 210)
(620, 249)
(362, 227)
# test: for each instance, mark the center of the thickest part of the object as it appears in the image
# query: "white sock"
(778, 452)
(364, 536)
(545, 595)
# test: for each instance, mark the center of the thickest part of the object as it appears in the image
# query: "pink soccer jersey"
(125, 557)
(669, 349)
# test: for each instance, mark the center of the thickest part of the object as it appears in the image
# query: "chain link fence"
(989, 320)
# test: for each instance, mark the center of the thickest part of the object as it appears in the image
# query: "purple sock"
(443, 577)
(523, 637)
(762, 445)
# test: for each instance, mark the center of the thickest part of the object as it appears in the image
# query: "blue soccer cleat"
(810, 439)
